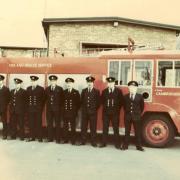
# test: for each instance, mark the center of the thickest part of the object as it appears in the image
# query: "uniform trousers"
(114, 118)
(137, 130)
(16, 119)
(35, 122)
(3, 116)
(70, 128)
(53, 117)
(91, 119)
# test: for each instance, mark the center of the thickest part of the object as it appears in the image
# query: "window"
(121, 71)
(125, 74)
(114, 69)
(177, 73)
(168, 73)
(91, 49)
(143, 73)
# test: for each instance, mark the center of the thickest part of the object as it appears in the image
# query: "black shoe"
(94, 144)
(49, 140)
(22, 139)
(124, 147)
(40, 140)
(58, 141)
(12, 138)
(30, 139)
(4, 137)
(139, 148)
(117, 146)
(64, 142)
(102, 145)
(73, 143)
(82, 143)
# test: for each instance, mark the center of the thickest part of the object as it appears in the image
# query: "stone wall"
(18, 52)
(67, 37)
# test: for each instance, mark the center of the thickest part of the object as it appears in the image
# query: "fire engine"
(157, 73)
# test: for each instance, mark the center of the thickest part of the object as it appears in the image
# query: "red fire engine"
(157, 72)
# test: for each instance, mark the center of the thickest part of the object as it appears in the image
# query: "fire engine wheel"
(157, 131)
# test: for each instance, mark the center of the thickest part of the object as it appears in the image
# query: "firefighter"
(4, 100)
(70, 110)
(36, 99)
(54, 101)
(112, 101)
(90, 102)
(17, 109)
(133, 106)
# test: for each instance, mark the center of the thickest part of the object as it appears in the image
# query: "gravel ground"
(49, 161)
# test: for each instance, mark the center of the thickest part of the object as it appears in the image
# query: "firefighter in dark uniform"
(112, 101)
(90, 102)
(36, 100)
(70, 109)
(17, 109)
(133, 106)
(54, 101)
(4, 101)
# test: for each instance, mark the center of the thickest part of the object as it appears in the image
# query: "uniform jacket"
(71, 103)
(18, 101)
(112, 102)
(36, 98)
(90, 101)
(133, 108)
(4, 99)
(54, 99)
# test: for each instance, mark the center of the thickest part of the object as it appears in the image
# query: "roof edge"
(47, 21)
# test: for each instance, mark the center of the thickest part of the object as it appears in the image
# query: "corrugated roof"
(47, 21)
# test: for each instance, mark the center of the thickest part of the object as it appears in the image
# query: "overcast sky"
(20, 20)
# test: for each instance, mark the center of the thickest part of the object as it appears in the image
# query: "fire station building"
(16, 51)
(89, 36)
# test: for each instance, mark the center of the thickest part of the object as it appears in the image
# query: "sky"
(20, 20)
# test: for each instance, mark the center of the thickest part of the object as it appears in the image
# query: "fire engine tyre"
(157, 131)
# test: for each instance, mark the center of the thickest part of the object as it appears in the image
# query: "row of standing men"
(66, 103)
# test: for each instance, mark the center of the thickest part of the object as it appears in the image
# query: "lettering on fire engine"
(31, 65)
(167, 93)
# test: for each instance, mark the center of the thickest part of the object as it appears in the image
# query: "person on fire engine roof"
(90, 102)
(17, 109)
(54, 102)
(4, 100)
(36, 99)
(133, 106)
(112, 100)
(71, 105)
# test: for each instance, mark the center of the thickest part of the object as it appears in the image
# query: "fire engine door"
(121, 70)
(143, 74)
